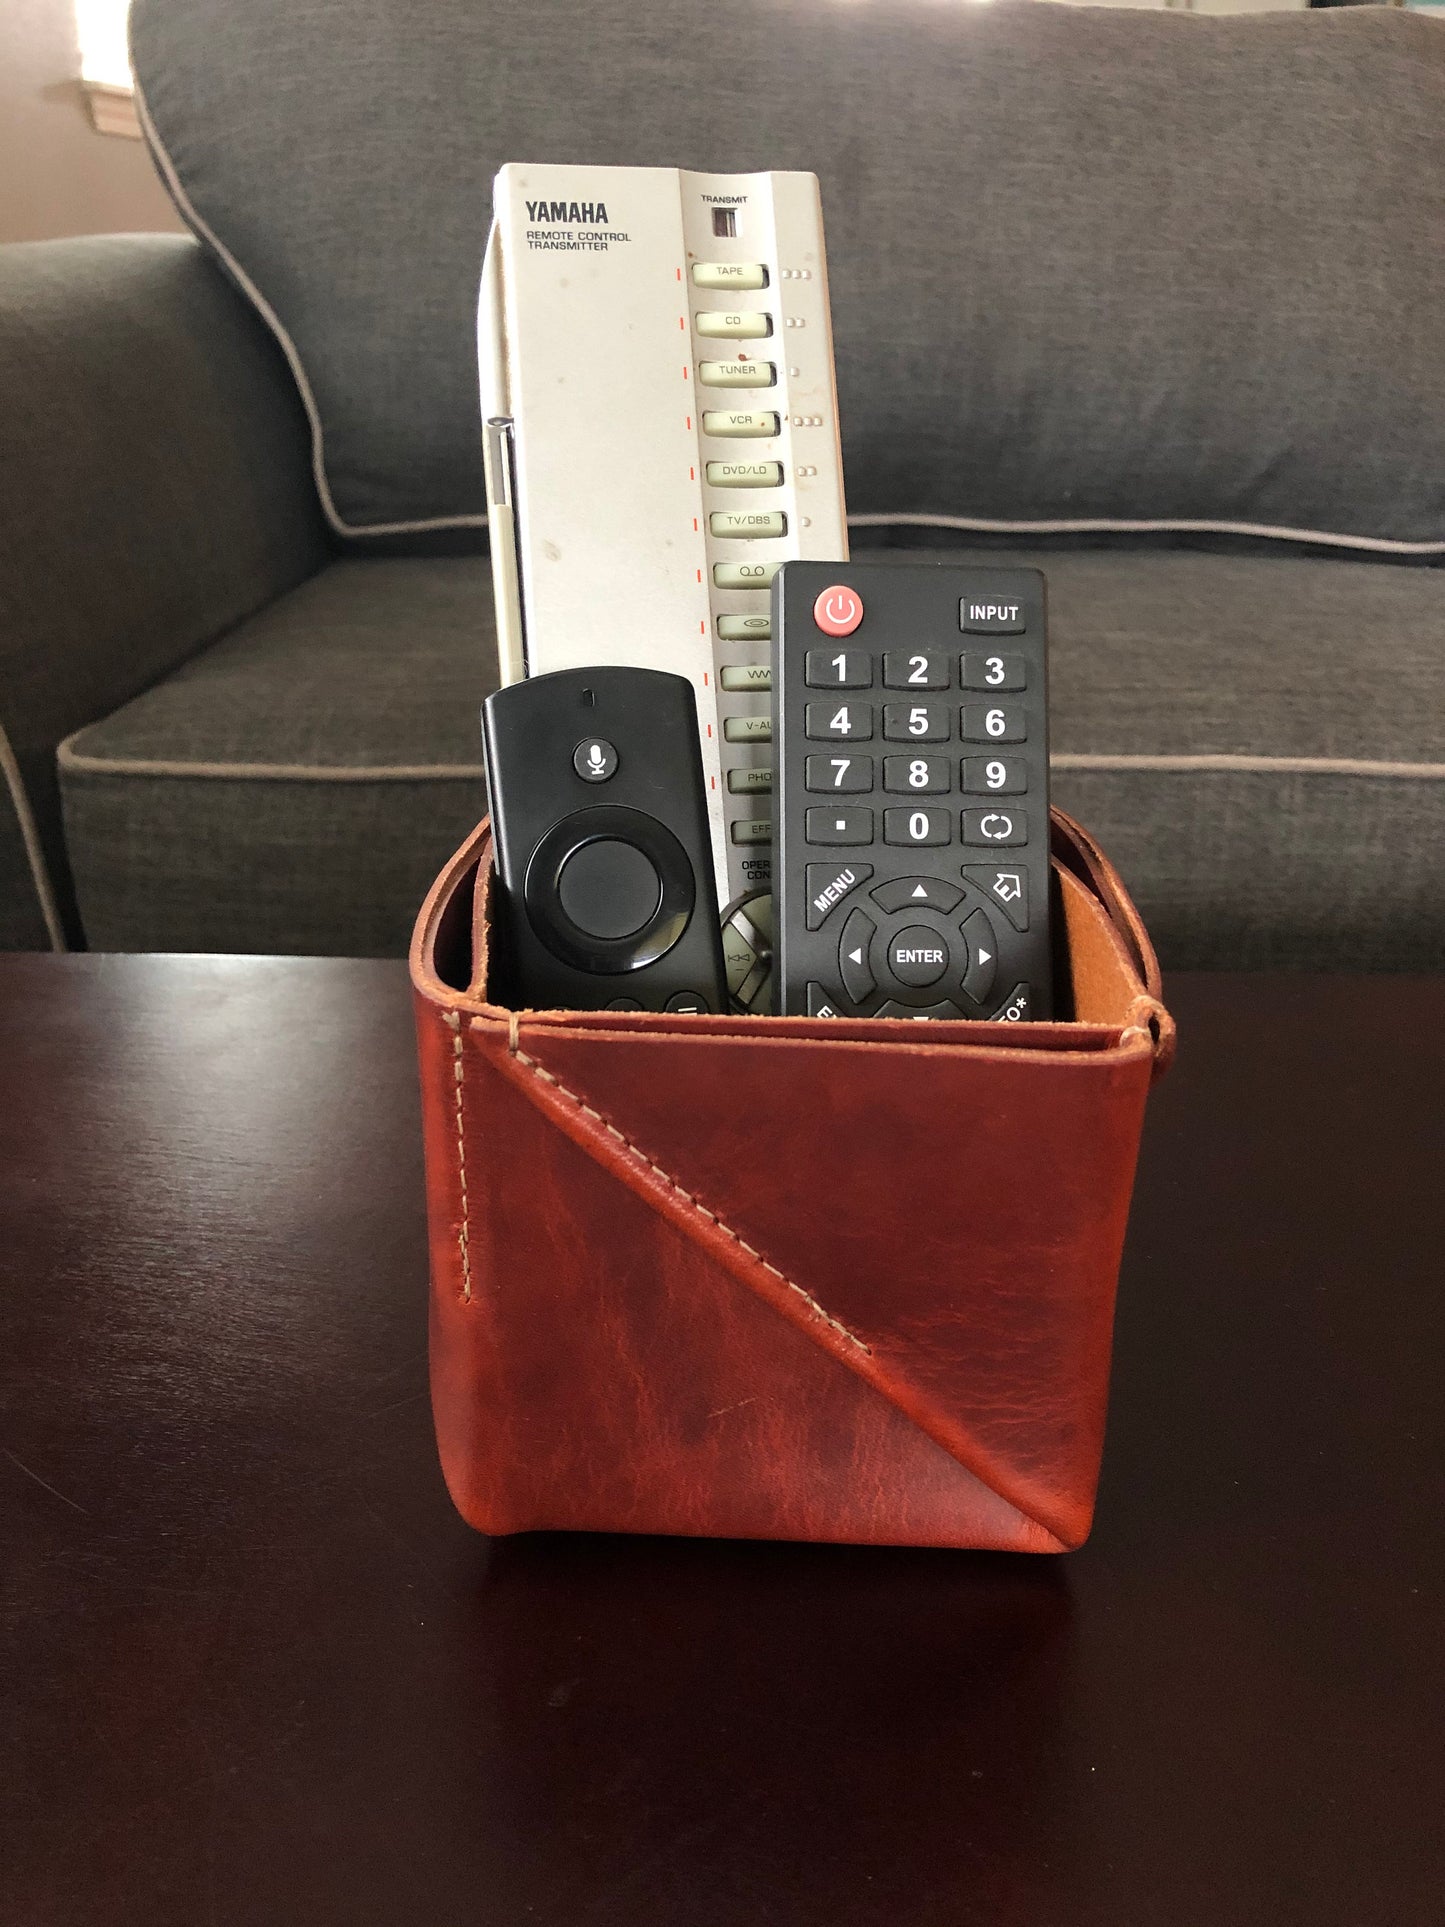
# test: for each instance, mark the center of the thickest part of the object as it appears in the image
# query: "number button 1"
(838, 722)
(980, 671)
(915, 669)
(838, 669)
(995, 775)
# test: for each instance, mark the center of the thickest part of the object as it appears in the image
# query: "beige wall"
(57, 175)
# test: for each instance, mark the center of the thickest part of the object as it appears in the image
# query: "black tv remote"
(910, 727)
(605, 894)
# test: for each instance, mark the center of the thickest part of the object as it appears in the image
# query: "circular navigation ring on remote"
(609, 889)
(917, 956)
(838, 610)
(572, 870)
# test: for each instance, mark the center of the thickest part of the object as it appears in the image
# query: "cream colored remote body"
(662, 431)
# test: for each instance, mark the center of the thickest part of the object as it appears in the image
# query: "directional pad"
(982, 964)
(913, 893)
(853, 965)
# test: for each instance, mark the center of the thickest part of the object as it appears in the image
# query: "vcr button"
(740, 421)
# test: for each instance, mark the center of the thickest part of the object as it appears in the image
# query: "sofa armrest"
(155, 489)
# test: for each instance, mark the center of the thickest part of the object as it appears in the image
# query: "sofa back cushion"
(1089, 267)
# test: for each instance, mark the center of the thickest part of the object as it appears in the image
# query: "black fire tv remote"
(605, 893)
(910, 724)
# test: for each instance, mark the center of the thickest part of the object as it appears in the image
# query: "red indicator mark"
(713, 779)
(682, 322)
(702, 628)
(709, 729)
(692, 474)
(679, 274)
(704, 679)
(699, 575)
(689, 421)
(684, 371)
(694, 525)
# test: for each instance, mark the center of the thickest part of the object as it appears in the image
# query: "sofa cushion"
(1258, 741)
(1087, 265)
(295, 788)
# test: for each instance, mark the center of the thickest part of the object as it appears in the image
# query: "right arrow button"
(982, 956)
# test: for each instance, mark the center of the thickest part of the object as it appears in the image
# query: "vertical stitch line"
(464, 1232)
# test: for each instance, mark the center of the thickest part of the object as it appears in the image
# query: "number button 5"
(915, 722)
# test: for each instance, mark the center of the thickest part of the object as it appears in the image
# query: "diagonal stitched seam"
(464, 1232)
(671, 1182)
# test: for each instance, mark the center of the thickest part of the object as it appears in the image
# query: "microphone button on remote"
(594, 759)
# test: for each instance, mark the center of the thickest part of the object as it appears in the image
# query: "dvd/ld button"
(757, 676)
(733, 327)
(747, 729)
(757, 829)
(725, 422)
(745, 474)
(748, 525)
(729, 274)
(737, 374)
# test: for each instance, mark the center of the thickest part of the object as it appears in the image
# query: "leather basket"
(785, 1278)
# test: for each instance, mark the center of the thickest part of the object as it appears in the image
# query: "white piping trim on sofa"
(1261, 765)
(981, 525)
(288, 347)
(34, 849)
(475, 772)
(74, 759)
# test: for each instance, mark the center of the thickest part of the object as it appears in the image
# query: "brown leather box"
(786, 1278)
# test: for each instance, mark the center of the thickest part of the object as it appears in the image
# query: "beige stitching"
(673, 1185)
(464, 1234)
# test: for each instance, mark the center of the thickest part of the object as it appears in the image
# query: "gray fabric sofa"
(1151, 300)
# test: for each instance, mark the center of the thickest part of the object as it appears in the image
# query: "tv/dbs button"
(729, 274)
(737, 374)
(917, 956)
(609, 889)
(748, 525)
(739, 422)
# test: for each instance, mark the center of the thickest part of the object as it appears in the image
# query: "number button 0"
(980, 671)
(916, 775)
(995, 775)
(838, 669)
(924, 829)
(915, 669)
(916, 722)
(994, 723)
(838, 722)
(830, 773)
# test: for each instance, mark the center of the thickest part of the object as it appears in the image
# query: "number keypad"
(965, 774)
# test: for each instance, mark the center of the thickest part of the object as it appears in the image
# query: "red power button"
(838, 610)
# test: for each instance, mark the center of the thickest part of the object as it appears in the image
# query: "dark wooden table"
(258, 1672)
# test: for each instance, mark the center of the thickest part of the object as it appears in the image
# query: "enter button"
(917, 956)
